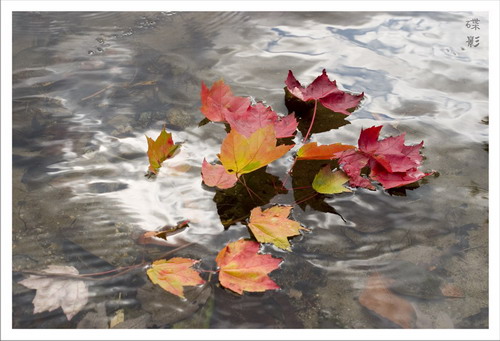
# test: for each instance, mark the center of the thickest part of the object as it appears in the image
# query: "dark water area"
(88, 86)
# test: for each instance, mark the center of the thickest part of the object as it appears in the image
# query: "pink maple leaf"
(216, 175)
(258, 116)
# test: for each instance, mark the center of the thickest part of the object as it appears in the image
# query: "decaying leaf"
(118, 318)
(325, 91)
(240, 155)
(218, 101)
(328, 182)
(54, 292)
(311, 151)
(243, 269)
(216, 175)
(450, 290)
(273, 226)
(377, 297)
(160, 149)
(160, 236)
(174, 274)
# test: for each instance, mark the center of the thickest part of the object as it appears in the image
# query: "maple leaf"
(258, 116)
(325, 91)
(312, 151)
(391, 162)
(218, 101)
(174, 274)
(216, 175)
(54, 292)
(242, 155)
(328, 182)
(273, 226)
(243, 269)
(377, 297)
(160, 150)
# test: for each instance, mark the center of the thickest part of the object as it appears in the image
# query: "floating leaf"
(216, 175)
(160, 150)
(243, 269)
(242, 155)
(54, 292)
(259, 116)
(328, 182)
(324, 120)
(303, 174)
(218, 101)
(273, 226)
(382, 301)
(325, 91)
(311, 151)
(174, 274)
(391, 162)
(340, 101)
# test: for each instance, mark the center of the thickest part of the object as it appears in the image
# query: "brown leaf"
(450, 290)
(382, 301)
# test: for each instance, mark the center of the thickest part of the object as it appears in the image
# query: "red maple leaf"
(391, 162)
(325, 91)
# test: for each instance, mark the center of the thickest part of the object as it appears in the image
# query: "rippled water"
(88, 86)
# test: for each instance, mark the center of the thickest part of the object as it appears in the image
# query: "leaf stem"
(312, 121)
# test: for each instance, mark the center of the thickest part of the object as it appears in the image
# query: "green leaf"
(328, 182)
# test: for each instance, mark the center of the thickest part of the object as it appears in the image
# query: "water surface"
(88, 87)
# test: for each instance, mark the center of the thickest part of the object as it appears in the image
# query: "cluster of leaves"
(254, 140)
(258, 136)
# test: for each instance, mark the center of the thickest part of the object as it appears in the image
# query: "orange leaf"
(381, 300)
(312, 151)
(273, 226)
(217, 101)
(242, 155)
(160, 150)
(174, 274)
(243, 269)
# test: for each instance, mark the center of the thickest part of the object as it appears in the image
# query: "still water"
(89, 86)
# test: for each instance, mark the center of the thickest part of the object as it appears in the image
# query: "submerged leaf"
(273, 226)
(328, 182)
(160, 150)
(54, 292)
(240, 155)
(216, 175)
(174, 274)
(243, 269)
(377, 297)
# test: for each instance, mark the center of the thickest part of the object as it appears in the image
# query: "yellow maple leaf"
(241, 155)
(174, 274)
(273, 226)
